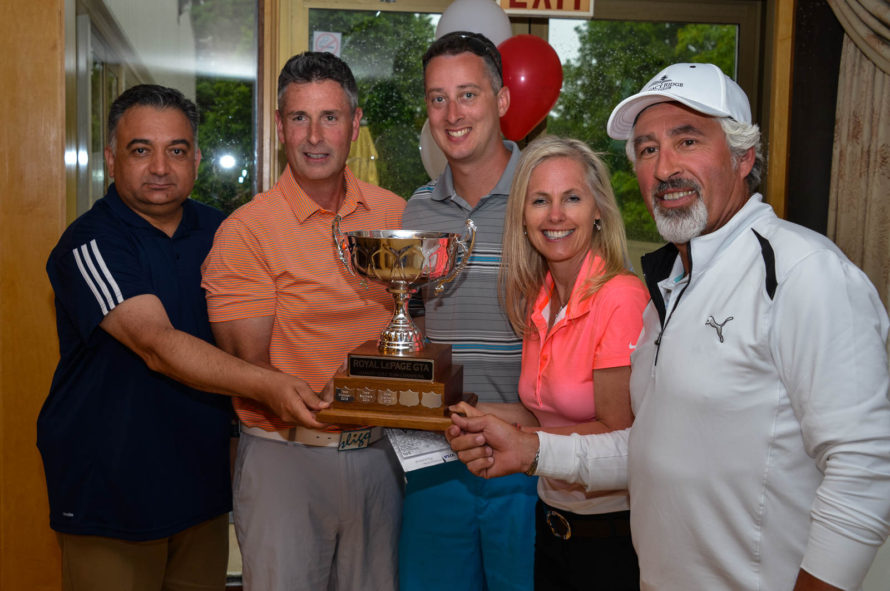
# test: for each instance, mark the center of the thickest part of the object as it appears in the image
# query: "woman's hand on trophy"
(465, 409)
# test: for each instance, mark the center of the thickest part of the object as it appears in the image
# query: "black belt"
(565, 525)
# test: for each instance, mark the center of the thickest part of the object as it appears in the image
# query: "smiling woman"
(568, 293)
(560, 217)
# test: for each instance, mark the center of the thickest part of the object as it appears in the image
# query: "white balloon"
(476, 16)
(431, 154)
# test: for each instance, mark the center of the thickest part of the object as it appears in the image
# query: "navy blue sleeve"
(93, 269)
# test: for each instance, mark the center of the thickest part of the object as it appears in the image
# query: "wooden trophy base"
(407, 391)
(341, 415)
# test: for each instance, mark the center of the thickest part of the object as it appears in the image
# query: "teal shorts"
(464, 532)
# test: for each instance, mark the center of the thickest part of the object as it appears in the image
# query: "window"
(205, 48)
(604, 60)
(383, 50)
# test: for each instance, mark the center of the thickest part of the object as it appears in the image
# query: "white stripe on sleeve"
(99, 279)
(108, 276)
(89, 282)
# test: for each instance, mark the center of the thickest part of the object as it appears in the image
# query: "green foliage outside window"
(225, 33)
(615, 59)
(226, 128)
(384, 50)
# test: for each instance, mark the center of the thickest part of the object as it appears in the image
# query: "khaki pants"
(194, 559)
(317, 519)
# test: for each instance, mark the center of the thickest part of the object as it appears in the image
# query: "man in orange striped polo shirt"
(309, 513)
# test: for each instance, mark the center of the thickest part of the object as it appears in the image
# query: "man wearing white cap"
(760, 454)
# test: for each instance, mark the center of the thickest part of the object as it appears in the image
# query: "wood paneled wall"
(32, 215)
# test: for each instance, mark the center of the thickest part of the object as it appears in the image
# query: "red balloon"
(533, 74)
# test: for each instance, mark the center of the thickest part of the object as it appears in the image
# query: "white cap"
(702, 87)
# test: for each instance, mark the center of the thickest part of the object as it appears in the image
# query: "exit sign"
(557, 8)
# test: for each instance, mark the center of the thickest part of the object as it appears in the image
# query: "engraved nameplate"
(392, 367)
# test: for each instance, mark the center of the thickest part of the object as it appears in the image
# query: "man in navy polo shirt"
(135, 447)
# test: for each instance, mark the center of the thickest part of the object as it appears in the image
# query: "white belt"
(344, 440)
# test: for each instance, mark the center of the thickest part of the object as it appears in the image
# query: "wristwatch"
(533, 467)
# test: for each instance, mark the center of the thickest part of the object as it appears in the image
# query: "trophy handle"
(469, 236)
(341, 243)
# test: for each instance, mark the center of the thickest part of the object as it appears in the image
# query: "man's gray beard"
(681, 225)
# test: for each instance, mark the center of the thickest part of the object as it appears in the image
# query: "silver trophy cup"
(403, 261)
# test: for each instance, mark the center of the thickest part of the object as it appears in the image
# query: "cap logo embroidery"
(663, 84)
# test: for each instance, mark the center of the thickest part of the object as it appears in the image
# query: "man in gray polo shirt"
(459, 531)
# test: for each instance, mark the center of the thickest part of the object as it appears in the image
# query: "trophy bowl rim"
(400, 234)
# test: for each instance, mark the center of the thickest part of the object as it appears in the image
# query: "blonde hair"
(523, 269)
